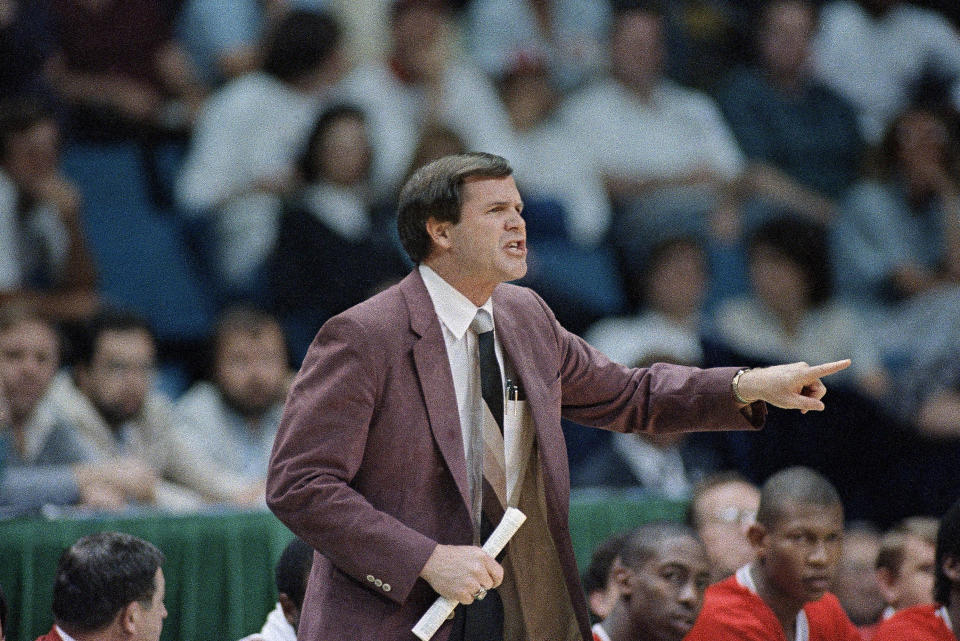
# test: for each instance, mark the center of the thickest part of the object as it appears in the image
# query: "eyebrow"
(502, 203)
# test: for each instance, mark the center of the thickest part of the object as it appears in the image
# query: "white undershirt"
(456, 312)
(803, 627)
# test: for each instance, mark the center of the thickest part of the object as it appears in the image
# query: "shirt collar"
(454, 310)
(945, 615)
(63, 635)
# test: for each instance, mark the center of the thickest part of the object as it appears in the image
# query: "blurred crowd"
(190, 188)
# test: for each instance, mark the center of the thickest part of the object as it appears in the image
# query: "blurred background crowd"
(190, 188)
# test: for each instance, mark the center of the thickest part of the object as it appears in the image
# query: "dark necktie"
(491, 383)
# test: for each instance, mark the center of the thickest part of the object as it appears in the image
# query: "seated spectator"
(783, 593)
(722, 508)
(906, 563)
(43, 255)
(896, 235)
(791, 310)
(670, 291)
(548, 161)
(422, 81)
(856, 585)
(568, 34)
(333, 251)
(109, 586)
(231, 419)
(664, 151)
(246, 139)
(46, 461)
(661, 574)
(801, 138)
(598, 583)
(117, 414)
(933, 621)
(223, 39)
(293, 570)
(120, 71)
(874, 53)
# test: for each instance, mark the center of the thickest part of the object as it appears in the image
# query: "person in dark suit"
(375, 460)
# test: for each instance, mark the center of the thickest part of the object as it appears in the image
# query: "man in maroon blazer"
(370, 463)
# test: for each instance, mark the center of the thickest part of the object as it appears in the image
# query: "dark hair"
(884, 161)
(292, 571)
(707, 484)
(302, 42)
(399, 7)
(803, 242)
(101, 574)
(644, 542)
(597, 573)
(435, 191)
(307, 163)
(17, 116)
(243, 319)
(108, 320)
(653, 7)
(948, 546)
(794, 485)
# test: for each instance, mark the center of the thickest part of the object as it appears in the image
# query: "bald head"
(794, 485)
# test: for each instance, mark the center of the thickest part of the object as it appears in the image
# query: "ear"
(951, 569)
(620, 576)
(757, 536)
(290, 611)
(887, 582)
(129, 617)
(439, 232)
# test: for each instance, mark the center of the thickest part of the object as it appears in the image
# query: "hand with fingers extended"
(794, 386)
(461, 572)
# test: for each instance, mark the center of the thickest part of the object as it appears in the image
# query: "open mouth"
(517, 246)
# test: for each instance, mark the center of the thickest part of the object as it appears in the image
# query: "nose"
(818, 554)
(515, 220)
(688, 594)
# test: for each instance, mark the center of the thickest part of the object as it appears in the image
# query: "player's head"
(798, 535)
(661, 575)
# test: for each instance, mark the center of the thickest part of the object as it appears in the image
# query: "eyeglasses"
(733, 515)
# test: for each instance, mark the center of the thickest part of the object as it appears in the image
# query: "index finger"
(825, 369)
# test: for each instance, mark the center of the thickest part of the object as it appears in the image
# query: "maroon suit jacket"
(368, 464)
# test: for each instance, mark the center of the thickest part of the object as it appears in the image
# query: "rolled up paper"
(441, 609)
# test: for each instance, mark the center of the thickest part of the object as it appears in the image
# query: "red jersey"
(919, 623)
(733, 611)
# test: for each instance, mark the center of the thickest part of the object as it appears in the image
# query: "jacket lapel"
(436, 380)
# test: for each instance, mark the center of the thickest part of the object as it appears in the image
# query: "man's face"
(665, 595)
(914, 584)
(150, 620)
(723, 514)
(637, 50)
(120, 373)
(251, 369)
(489, 244)
(785, 36)
(28, 360)
(856, 584)
(33, 153)
(799, 554)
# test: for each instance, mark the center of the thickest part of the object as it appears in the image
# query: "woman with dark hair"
(791, 311)
(898, 232)
(332, 251)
